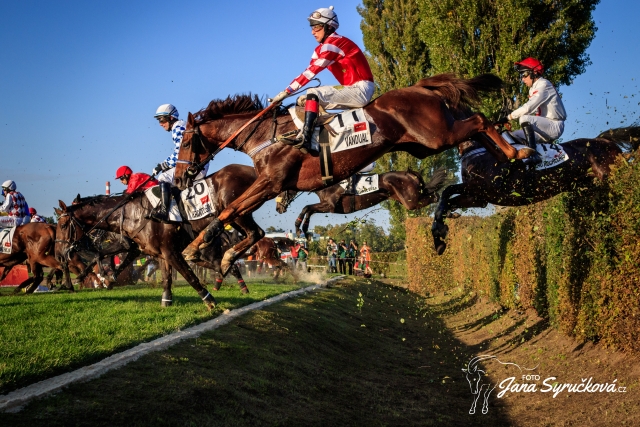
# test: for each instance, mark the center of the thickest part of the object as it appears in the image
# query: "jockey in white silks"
(168, 117)
(15, 205)
(346, 62)
(542, 117)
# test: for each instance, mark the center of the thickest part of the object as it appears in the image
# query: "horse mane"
(236, 104)
(91, 200)
(627, 135)
(461, 94)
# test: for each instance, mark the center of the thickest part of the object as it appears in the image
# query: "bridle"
(285, 200)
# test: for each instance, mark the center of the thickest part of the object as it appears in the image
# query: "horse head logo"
(480, 383)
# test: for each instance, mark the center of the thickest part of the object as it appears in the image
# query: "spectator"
(295, 251)
(332, 250)
(342, 257)
(352, 250)
(303, 254)
(365, 259)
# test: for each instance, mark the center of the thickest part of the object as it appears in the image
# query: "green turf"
(359, 354)
(42, 335)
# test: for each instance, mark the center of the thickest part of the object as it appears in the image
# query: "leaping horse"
(407, 188)
(515, 184)
(423, 120)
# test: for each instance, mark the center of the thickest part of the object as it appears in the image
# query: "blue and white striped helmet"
(166, 110)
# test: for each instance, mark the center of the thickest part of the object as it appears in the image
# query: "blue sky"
(80, 81)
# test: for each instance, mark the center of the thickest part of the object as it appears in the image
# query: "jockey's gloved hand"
(502, 120)
(279, 97)
(165, 166)
(157, 170)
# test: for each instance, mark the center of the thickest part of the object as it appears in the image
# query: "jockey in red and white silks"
(15, 205)
(35, 217)
(542, 117)
(346, 62)
(343, 58)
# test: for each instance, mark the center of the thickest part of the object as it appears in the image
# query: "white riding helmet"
(166, 110)
(324, 16)
(9, 184)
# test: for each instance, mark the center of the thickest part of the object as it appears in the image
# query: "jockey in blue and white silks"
(15, 205)
(167, 115)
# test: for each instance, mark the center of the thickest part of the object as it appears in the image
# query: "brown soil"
(526, 339)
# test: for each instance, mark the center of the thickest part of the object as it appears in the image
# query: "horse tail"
(629, 135)
(456, 91)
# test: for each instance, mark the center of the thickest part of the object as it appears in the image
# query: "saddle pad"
(552, 154)
(350, 128)
(197, 200)
(6, 239)
(174, 212)
(366, 184)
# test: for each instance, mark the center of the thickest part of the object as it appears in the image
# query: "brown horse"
(421, 120)
(162, 240)
(34, 243)
(266, 251)
(407, 188)
(514, 184)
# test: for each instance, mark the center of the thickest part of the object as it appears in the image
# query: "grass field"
(43, 335)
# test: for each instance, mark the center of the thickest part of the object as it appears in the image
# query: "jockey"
(543, 116)
(142, 181)
(15, 205)
(167, 115)
(346, 62)
(35, 217)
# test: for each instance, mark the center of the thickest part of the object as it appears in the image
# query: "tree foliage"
(407, 40)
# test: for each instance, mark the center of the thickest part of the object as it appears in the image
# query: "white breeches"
(546, 130)
(344, 97)
(167, 176)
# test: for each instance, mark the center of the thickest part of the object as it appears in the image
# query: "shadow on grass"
(358, 354)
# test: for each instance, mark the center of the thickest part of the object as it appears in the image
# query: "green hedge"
(574, 258)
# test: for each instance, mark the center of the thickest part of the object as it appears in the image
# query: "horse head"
(284, 199)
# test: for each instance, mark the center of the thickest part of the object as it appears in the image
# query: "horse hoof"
(244, 290)
(205, 244)
(453, 215)
(166, 303)
(440, 248)
(191, 254)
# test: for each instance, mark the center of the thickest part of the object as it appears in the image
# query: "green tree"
(398, 58)
(472, 37)
(407, 40)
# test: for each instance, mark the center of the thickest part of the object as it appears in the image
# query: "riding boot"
(162, 211)
(530, 139)
(310, 118)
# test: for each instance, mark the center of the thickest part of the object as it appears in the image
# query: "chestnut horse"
(34, 243)
(419, 119)
(515, 184)
(266, 251)
(407, 188)
(156, 239)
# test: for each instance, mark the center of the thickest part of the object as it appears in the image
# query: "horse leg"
(176, 261)
(167, 280)
(439, 229)
(259, 192)
(236, 273)
(460, 201)
(23, 285)
(38, 276)
(253, 232)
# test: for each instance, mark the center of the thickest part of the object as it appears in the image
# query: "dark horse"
(164, 241)
(419, 119)
(407, 188)
(514, 184)
(34, 243)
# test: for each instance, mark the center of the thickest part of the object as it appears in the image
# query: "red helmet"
(122, 171)
(32, 211)
(530, 64)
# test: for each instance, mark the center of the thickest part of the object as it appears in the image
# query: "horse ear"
(191, 120)
(62, 205)
(77, 199)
